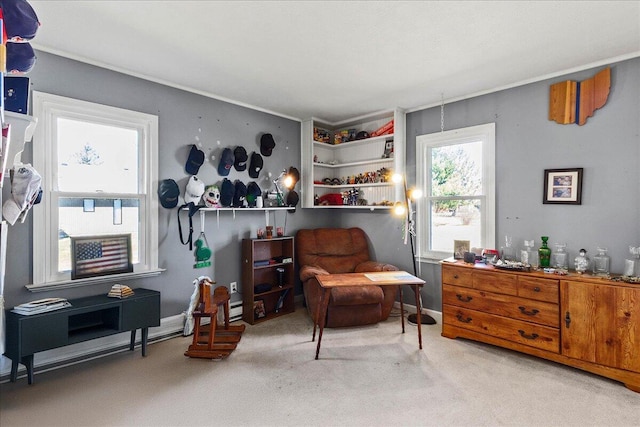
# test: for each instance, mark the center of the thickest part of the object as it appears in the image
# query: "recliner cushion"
(356, 295)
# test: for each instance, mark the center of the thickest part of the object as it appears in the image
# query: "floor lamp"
(410, 234)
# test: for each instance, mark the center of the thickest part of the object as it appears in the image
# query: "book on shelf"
(280, 302)
(41, 306)
(120, 291)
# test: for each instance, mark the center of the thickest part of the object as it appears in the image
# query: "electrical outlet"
(233, 286)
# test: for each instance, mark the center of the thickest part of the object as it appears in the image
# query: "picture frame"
(93, 256)
(258, 309)
(563, 186)
(460, 247)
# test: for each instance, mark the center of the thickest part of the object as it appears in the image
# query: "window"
(98, 165)
(457, 170)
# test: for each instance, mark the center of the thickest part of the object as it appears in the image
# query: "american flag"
(101, 256)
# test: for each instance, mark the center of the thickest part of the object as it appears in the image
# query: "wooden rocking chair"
(213, 341)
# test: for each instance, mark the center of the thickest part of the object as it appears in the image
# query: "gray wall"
(607, 147)
(527, 143)
(184, 119)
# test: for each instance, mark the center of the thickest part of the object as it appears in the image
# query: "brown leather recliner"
(341, 250)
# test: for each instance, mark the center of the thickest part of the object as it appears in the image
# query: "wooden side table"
(380, 278)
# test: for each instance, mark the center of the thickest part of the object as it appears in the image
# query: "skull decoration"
(211, 196)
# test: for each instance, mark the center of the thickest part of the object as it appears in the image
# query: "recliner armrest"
(374, 266)
(309, 271)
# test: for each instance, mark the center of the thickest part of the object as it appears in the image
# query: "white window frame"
(47, 109)
(485, 133)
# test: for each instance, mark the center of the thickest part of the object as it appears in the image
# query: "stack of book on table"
(41, 306)
(120, 291)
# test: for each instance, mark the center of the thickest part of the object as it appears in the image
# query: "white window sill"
(66, 284)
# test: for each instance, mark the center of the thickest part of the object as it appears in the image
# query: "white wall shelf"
(322, 160)
(203, 212)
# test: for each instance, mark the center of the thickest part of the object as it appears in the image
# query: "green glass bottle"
(544, 253)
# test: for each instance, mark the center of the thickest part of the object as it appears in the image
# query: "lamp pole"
(425, 319)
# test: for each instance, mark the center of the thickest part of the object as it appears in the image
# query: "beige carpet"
(369, 376)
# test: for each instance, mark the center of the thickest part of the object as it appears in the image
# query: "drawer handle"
(462, 319)
(536, 289)
(528, 313)
(465, 299)
(529, 337)
(455, 276)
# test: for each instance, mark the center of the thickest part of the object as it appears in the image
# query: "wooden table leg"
(419, 310)
(401, 308)
(322, 312)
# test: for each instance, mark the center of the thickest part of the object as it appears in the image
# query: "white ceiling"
(340, 59)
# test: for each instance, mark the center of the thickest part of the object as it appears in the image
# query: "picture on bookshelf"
(258, 309)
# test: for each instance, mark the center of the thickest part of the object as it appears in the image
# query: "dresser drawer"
(502, 283)
(457, 276)
(530, 334)
(540, 312)
(538, 289)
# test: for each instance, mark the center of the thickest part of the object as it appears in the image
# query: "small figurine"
(582, 262)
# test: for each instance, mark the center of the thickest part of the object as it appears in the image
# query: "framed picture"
(100, 255)
(563, 186)
(258, 309)
(460, 247)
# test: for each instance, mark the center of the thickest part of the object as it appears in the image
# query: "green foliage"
(453, 173)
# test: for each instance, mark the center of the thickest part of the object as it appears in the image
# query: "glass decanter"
(601, 263)
(544, 253)
(560, 257)
(582, 262)
(632, 264)
(529, 255)
(507, 252)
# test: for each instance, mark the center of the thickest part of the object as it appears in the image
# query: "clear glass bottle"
(632, 264)
(560, 257)
(507, 252)
(544, 253)
(601, 263)
(529, 255)
(582, 262)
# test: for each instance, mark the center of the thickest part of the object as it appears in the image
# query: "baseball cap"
(20, 58)
(240, 194)
(256, 165)
(253, 191)
(25, 185)
(194, 190)
(20, 20)
(168, 193)
(227, 190)
(267, 144)
(226, 162)
(292, 198)
(240, 158)
(195, 160)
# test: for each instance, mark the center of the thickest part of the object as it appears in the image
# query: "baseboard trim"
(93, 349)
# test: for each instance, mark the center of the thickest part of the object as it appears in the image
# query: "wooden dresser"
(579, 320)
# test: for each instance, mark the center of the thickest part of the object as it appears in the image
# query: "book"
(280, 302)
(120, 291)
(41, 306)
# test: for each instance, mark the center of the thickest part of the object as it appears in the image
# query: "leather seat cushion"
(356, 295)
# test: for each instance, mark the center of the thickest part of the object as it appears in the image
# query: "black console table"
(86, 319)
